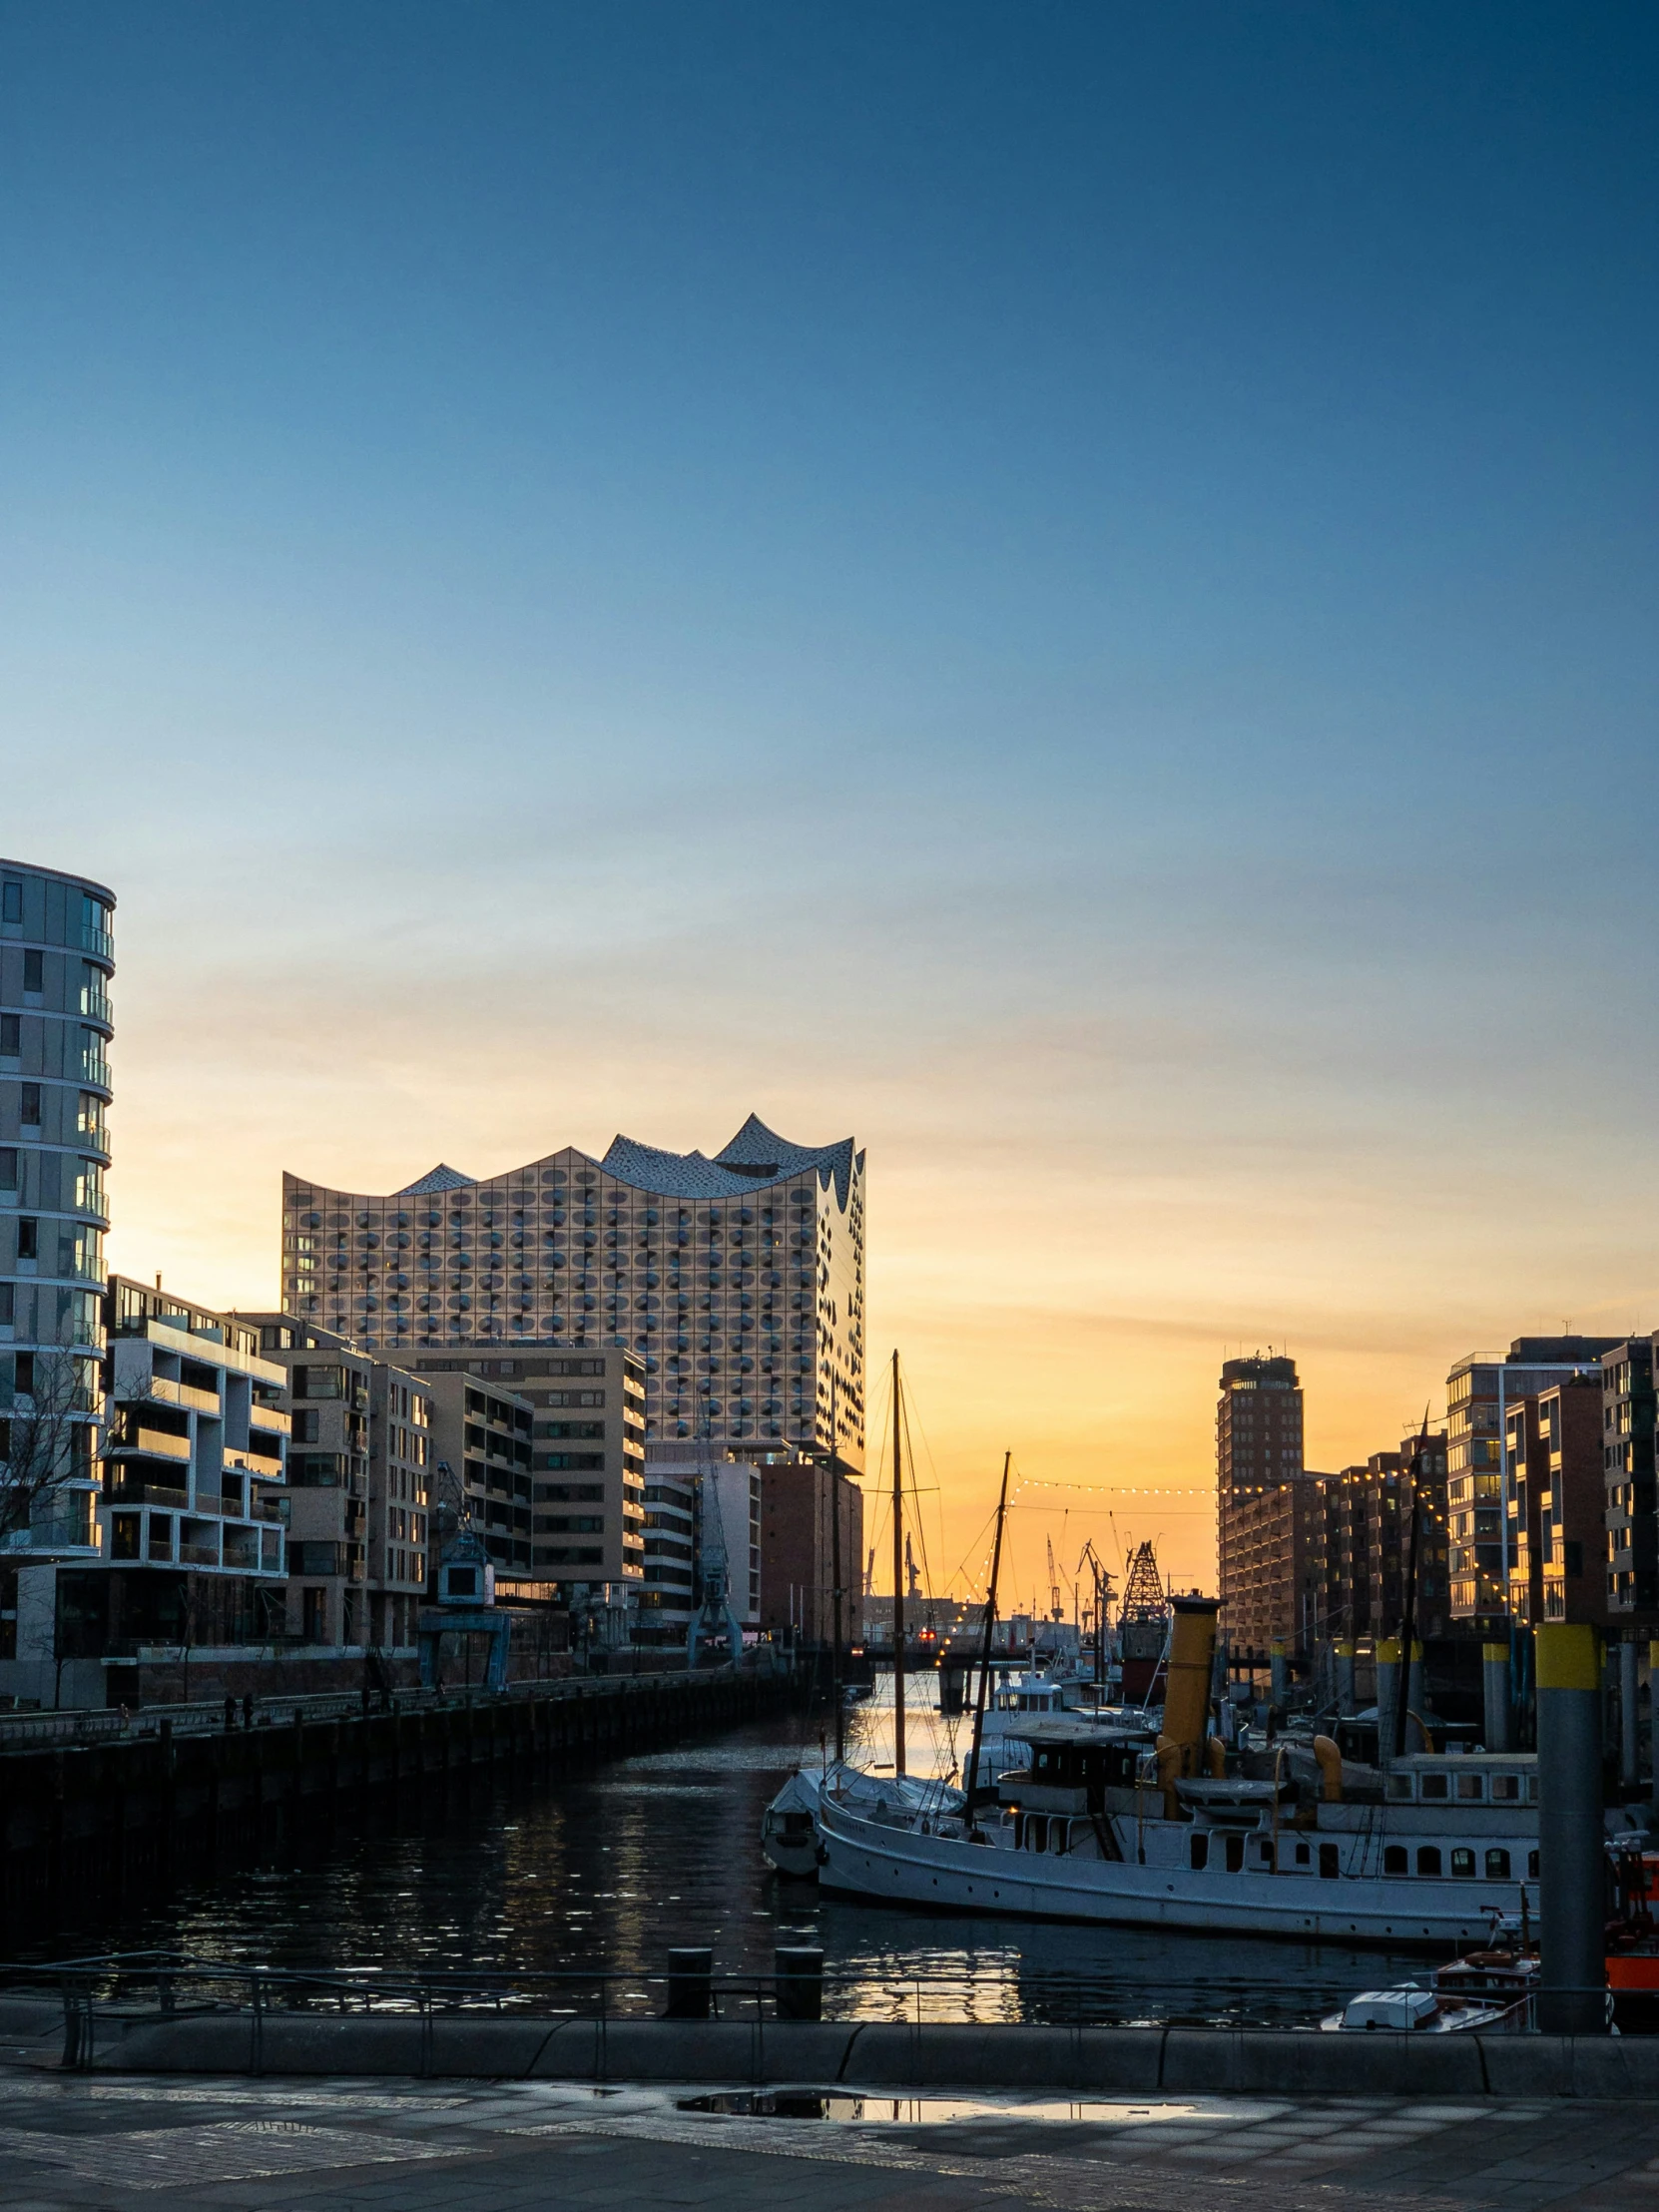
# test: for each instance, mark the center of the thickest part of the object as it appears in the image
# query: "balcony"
(156, 1443)
(96, 1006)
(148, 1494)
(95, 1069)
(198, 1555)
(98, 942)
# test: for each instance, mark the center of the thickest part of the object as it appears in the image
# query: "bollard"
(1279, 1674)
(1387, 1698)
(798, 1986)
(1495, 1684)
(689, 1984)
(1347, 1703)
(1630, 1767)
(1573, 1885)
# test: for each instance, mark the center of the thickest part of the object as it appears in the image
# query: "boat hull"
(899, 1865)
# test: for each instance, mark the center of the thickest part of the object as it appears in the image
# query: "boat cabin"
(1073, 1764)
(1506, 1779)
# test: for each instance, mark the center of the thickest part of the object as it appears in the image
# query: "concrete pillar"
(1494, 1681)
(1278, 1673)
(1388, 1697)
(1345, 1700)
(1630, 1766)
(1573, 1886)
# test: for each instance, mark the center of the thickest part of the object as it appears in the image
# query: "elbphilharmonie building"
(738, 1282)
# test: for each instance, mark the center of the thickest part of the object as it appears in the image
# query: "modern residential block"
(1479, 1391)
(737, 1283)
(57, 956)
(1628, 1418)
(359, 1472)
(1257, 1453)
(191, 1540)
(550, 1446)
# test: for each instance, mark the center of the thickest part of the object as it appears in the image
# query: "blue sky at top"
(959, 540)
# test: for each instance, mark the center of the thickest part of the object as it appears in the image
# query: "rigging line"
(937, 1487)
(922, 1533)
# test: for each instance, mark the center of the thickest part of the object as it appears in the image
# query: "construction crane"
(1056, 1611)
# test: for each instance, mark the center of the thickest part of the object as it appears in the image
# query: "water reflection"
(607, 1870)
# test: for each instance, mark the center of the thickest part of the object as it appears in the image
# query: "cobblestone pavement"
(89, 2144)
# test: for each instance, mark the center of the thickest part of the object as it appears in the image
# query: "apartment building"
(1257, 1450)
(57, 956)
(669, 1545)
(1479, 1391)
(1275, 1568)
(1628, 1418)
(736, 1283)
(550, 1446)
(193, 1502)
(724, 1492)
(360, 1471)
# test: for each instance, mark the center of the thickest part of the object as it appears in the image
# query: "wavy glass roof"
(755, 1156)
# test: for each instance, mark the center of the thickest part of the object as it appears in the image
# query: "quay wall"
(1079, 2061)
(118, 1816)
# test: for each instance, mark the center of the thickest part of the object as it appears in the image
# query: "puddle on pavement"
(847, 2105)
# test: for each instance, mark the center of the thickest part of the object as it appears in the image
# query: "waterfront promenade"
(73, 2143)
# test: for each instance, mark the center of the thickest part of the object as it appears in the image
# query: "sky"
(1065, 589)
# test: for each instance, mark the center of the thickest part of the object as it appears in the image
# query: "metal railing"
(205, 1715)
(133, 1989)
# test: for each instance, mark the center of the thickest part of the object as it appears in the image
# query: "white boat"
(1488, 1990)
(1097, 1826)
(1424, 2011)
(1088, 1832)
(789, 1825)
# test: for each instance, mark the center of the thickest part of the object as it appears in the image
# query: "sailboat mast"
(897, 1572)
(836, 1579)
(986, 1647)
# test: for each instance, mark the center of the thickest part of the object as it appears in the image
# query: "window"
(8, 1167)
(28, 1237)
(1532, 1865)
(1435, 1785)
(1330, 1862)
(12, 907)
(1235, 1854)
(11, 1036)
(1505, 1789)
(1396, 1859)
(1199, 1849)
(1462, 1866)
(1428, 1860)
(29, 1112)
(34, 978)
(1497, 1866)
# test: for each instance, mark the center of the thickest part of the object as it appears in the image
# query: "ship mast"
(897, 1572)
(986, 1647)
(835, 1578)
